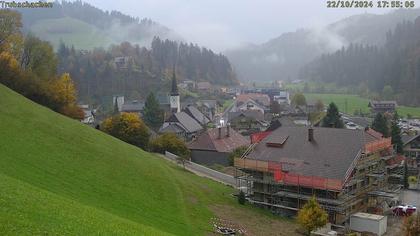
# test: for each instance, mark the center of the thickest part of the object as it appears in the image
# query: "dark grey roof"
(197, 115)
(132, 107)
(171, 128)
(329, 155)
(185, 121)
(406, 139)
(382, 104)
(255, 114)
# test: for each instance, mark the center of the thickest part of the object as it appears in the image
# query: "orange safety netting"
(257, 137)
(289, 178)
(378, 145)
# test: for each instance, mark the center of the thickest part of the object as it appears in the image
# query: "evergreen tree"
(153, 114)
(241, 198)
(396, 134)
(333, 117)
(380, 124)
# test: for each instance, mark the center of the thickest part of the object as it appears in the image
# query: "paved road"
(204, 171)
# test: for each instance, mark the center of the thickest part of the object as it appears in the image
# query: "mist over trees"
(28, 65)
(132, 70)
(391, 70)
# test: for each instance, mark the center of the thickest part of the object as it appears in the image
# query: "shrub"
(241, 198)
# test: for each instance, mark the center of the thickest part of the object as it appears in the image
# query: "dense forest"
(133, 70)
(393, 68)
(281, 58)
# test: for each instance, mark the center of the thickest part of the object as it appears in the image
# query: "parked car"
(404, 210)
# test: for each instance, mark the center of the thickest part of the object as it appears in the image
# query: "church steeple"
(174, 98)
(174, 90)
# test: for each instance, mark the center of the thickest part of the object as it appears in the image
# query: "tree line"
(133, 70)
(391, 71)
(28, 66)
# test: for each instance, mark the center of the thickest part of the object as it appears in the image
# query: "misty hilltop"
(86, 27)
(281, 58)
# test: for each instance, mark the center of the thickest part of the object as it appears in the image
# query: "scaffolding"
(267, 185)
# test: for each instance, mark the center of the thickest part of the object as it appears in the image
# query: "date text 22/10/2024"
(370, 4)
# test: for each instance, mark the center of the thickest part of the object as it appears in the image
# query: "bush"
(412, 225)
(129, 128)
(241, 198)
(238, 152)
(171, 143)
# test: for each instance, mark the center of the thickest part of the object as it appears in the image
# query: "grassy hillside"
(71, 31)
(355, 102)
(60, 177)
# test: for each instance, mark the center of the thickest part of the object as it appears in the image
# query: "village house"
(89, 114)
(208, 107)
(183, 125)
(134, 106)
(282, 98)
(345, 169)
(383, 106)
(197, 115)
(214, 146)
(262, 99)
(203, 86)
(411, 148)
(247, 121)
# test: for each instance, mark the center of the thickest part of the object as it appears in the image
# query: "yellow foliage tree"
(127, 127)
(64, 97)
(312, 216)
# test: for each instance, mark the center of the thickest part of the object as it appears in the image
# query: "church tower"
(174, 98)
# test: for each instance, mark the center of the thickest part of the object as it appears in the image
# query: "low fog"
(221, 24)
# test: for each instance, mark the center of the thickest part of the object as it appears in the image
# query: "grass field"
(71, 32)
(351, 103)
(59, 177)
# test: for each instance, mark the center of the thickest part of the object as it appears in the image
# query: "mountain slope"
(86, 27)
(58, 176)
(281, 58)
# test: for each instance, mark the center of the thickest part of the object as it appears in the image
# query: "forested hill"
(135, 71)
(86, 27)
(281, 58)
(393, 68)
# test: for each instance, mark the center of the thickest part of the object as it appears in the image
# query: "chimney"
(228, 130)
(311, 134)
(220, 133)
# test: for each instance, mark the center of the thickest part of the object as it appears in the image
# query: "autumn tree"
(10, 35)
(319, 105)
(128, 127)
(333, 117)
(153, 114)
(171, 143)
(38, 56)
(298, 99)
(380, 124)
(312, 216)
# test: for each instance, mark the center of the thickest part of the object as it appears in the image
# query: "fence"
(222, 177)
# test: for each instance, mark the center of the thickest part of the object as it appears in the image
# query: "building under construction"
(347, 170)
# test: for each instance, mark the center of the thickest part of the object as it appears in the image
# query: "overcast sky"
(222, 24)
